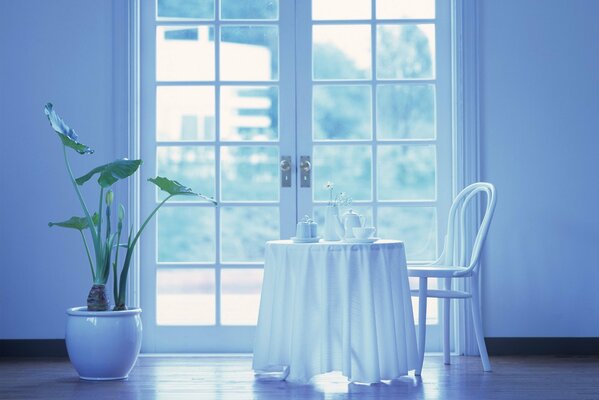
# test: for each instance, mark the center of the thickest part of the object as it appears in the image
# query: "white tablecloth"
(333, 306)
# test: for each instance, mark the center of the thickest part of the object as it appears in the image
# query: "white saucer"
(305, 240)
(356, 240)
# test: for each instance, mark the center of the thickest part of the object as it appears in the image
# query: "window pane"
(181, 9)
(416, 226)
(185, 53)
(249, 173)
(406, 172)
(249, 53)
(186, 234)
(249, 9)
(191, 166)
(432, 305)
(240, 296)
(249, 113)
(245, 230)
(341, 52)
(342, 112)
(398, 9)
(405, 51)
(348, 167)
(341, 9)
(185, 297)
(405, 111)
(184, 113)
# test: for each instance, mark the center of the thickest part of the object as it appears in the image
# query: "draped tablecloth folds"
(334, 306)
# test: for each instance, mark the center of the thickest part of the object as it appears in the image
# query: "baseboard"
(496, 346)
(33, 348)
(528, 346)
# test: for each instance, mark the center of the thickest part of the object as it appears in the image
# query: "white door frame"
(465, 128)
(466, 141)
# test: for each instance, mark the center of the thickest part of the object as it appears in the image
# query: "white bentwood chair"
(452, 264)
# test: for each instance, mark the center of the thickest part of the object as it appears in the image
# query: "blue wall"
(539, 107)
(59, 51)
(540, 147)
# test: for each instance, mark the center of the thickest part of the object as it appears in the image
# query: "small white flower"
(329, 185)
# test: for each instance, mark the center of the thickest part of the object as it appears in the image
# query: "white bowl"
(364, 232)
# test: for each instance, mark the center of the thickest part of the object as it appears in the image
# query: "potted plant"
(103, 344)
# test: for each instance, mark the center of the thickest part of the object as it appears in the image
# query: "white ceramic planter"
(103, 345)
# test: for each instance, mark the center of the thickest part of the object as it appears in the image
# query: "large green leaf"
(66, 134)
(112, 172)
(79, 223)
(175, 188)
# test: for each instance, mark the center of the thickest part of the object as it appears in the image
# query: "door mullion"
(217, 189)
(288, 116)
(303, 48)
(374, 167)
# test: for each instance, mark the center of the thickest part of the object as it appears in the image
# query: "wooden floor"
(223, 378)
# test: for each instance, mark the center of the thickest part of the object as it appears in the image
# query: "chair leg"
(478, 326)
(446, 314)
(422, 297)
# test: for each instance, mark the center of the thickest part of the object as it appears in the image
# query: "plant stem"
(100, 212)
(89, 258)
(130, 247)
(115, 288)
(148, 220)
(90, 222)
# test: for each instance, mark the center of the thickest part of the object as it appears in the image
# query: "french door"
(260, 103)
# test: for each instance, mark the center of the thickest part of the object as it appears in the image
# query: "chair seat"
(435, 271)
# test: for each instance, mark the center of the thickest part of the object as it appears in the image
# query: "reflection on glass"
(341, 52)
(405, 111)
(240, 296)
(249, 9)
(191, 166)
(186, 234)
(184, 113)
(416, 226)
(347, 166)
(249, 173)
(341, 9)
(406, 172)
(185, 9)
(245, 230)
(249, 53)
(184, 53)
(342, 112)
(249, 113)
(185, 297)
(405, 51)
(399, 9)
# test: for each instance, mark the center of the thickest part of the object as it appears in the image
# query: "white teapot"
(349, 220)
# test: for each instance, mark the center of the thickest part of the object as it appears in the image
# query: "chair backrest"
(456, 247)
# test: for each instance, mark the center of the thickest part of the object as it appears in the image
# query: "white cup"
(364, 232)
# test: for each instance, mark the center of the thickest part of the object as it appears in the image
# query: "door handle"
(285, 166)
(305, 171)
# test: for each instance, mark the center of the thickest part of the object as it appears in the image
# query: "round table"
(333, 306)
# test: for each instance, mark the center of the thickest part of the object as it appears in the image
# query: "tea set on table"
(349, 228)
